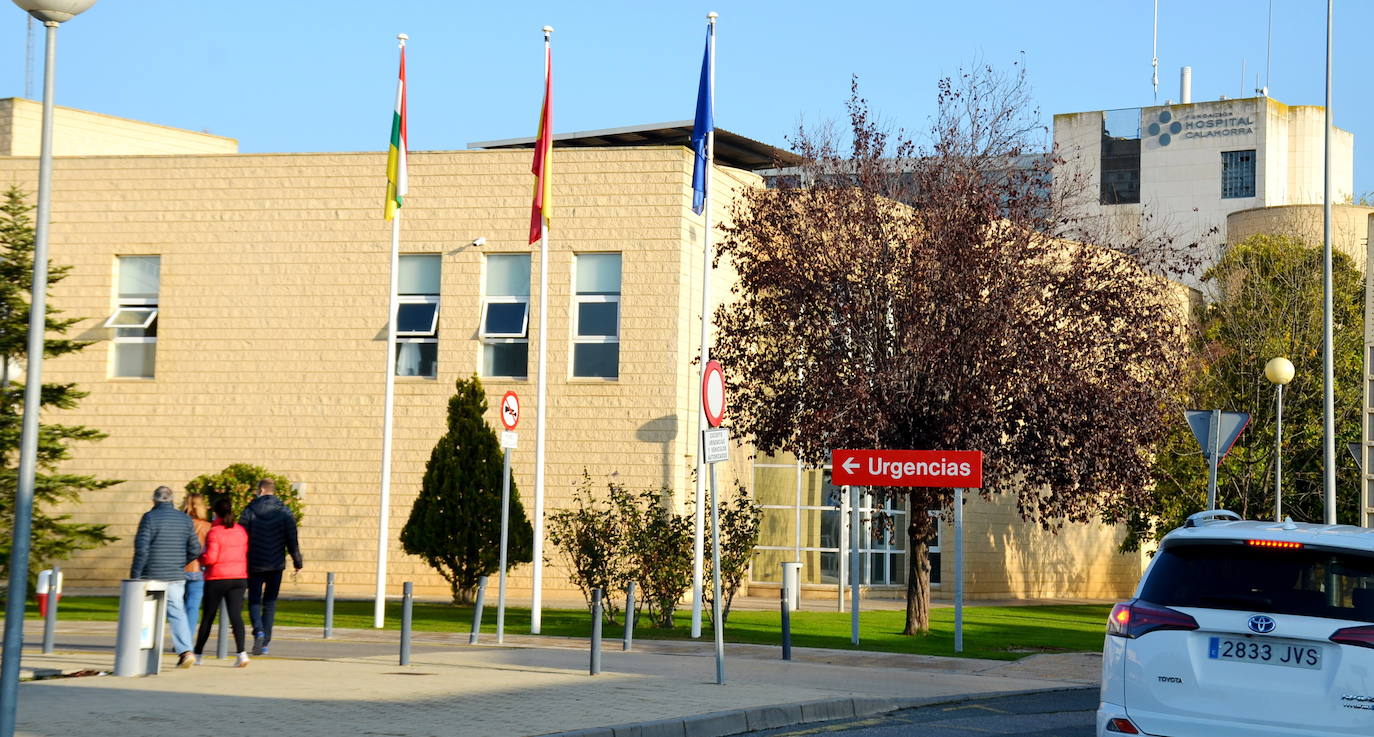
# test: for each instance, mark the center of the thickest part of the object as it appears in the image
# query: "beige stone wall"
(271, 334)
(83, 133)
(1349, 226)
(1006, 558)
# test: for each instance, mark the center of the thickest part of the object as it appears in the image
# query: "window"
(1309, 582)
(417, 315)
(134, 322)
(505, 319)
(806, 518)
(596, 332)
(1238, 173)
(1121, 157)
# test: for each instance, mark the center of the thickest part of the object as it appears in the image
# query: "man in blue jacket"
(166, 541)
(271, 535)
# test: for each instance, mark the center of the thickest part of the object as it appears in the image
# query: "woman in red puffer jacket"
(226, 577)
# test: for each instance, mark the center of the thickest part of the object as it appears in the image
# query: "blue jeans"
(195, 591)
(176, 616)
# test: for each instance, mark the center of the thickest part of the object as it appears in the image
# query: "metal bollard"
(786, 626)
(50, 619)
(328, 605)
(407, 599)
(222, 639)
(477, 610)
(596, 632)
(629, 640)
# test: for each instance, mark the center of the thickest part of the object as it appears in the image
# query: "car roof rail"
(1212, 515)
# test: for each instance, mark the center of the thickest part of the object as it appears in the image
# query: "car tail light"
(1361, 636)
(1285, 544)
(1123, 726)
(1135, 618)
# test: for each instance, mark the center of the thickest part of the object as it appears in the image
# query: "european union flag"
(705, 123)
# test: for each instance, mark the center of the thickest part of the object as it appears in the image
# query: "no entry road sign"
(955, 469)
(713, 393)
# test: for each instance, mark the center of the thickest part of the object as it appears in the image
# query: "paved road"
(1059, 714)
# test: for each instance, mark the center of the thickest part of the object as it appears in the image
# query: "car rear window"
(1308, 582)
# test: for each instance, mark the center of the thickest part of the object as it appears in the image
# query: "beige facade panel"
(270, 342)
(1349, 226)
(83, 133)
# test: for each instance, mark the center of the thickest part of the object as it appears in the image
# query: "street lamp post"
(51, 13)
(1279, 371)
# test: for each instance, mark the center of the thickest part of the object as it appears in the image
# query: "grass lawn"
(1004, 633)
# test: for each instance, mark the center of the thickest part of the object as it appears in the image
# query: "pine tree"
(55, 537)
(455, 523)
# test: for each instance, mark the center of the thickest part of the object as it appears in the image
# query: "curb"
(752, 719)
(27, 673)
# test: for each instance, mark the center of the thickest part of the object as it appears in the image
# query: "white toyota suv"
(1243, 628)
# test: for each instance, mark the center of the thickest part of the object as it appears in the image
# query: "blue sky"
(317, 75)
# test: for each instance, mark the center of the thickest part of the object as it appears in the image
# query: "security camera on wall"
(479, 242)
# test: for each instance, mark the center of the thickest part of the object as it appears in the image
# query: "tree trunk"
(917, 584)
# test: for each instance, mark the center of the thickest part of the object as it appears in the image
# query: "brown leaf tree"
(899, 296)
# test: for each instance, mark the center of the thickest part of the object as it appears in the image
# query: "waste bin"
(142, 622)
(791, 580)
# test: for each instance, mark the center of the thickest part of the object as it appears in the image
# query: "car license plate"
(1265, 650)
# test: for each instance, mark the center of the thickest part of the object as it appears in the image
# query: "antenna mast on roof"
(1268, 50)
(1154, 60)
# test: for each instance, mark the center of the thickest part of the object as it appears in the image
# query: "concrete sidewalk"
(529, 686)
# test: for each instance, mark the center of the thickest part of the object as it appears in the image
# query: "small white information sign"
(715, 444)
(508, 439)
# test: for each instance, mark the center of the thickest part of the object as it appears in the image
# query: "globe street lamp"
(1279, 371)
(51, 13)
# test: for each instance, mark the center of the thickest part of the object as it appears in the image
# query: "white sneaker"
(242, 661)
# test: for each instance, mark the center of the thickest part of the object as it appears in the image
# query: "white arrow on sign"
(849, 465)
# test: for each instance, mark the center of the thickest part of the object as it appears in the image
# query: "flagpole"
(698, 536)
(384, 502)
(541, 393)
(396, 189)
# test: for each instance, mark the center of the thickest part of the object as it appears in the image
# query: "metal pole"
(717, 610)
(541, 413)
(958, 570)
(1213, 450)
(406, 600)
(1328, 374)
(50, 617)
(855, 563)
(328, 605)
(222, 637)
(505, 533)
(841, 551)
(1278, 453)
(786, 625)
(477, 610)
(389, 402)
(388, 426)
(699, 521)
(596, 632)
(629, 640)
(33, 383)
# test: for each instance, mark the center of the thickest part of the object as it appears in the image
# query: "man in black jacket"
(166, 541)
(271, 535)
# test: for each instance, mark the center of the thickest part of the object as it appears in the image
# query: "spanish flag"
(396, 159)
(542, 208)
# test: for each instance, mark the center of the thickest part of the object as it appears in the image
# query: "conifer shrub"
(455, 522)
